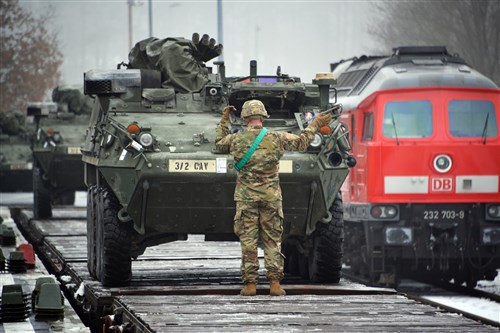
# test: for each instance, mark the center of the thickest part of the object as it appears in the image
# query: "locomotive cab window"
(367, 126)
(408, 119)
(472, 119)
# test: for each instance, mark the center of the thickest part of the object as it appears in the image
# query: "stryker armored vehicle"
(16, 167)
(154, 175)
(57, 161)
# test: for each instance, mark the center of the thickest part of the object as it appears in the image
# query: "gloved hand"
(225, 113)
(321, 120)
(206, 48)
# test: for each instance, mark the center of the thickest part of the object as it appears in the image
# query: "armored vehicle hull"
(14, 179)
(57, 164)
(154, 175)
(16, 167)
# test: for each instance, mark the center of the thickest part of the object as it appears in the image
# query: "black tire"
(291, 260)
(296, 263)
(42, 207)
(114, 261)
(325, 259)
(65, 198)
(91, 231)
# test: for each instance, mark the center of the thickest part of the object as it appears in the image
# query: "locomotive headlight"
(442, 163)
(490, 236)
(493, 212)
(376, 211)
(383, 212)
(390, 211)
(146, 139)
(316, 142)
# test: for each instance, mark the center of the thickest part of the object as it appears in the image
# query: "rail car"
(423, 199)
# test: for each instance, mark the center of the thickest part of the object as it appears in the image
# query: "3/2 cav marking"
(191, 165)
(186, 166)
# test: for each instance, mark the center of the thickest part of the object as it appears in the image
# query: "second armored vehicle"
(16, 166)
(58, 167)
(154, 176)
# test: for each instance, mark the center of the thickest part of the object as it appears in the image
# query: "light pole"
(131, 3)
(257, 29)
(150, 18)
(220, 37)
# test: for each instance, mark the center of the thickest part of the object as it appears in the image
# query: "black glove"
(205, 47)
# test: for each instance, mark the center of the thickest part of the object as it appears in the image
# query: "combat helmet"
(253, 107)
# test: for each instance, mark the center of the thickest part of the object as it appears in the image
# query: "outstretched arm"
(222, 137)
(301, 142)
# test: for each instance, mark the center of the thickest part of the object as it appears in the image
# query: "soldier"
(258, 193)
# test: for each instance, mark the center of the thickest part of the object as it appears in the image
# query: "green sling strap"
(250, 151)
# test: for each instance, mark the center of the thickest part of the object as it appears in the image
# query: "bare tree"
(29, 57)
(470, 28)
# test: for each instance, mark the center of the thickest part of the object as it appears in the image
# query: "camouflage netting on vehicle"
(12, 123)
(73, 98)
(180, 61)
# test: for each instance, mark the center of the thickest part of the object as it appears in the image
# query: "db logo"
(441, 184)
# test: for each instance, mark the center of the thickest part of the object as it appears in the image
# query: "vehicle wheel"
(42, 207)
(114, 262)
(91, 230)
(471, 279)
(354, 244)
(289, 259)
(325, 260)
(64, 198)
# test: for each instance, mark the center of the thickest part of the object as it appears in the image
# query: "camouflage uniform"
(258, 194)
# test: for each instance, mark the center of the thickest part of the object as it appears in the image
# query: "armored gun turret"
(60, 131)
(154, 175)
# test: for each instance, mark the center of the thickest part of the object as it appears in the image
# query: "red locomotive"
(423, 199)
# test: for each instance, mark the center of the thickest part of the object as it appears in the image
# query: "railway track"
(475, 304)
(193, 286)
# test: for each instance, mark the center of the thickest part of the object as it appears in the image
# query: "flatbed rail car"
(424, 196)
(193, 286)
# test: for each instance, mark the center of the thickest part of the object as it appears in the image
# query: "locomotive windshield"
(472, 118)
(408, 119)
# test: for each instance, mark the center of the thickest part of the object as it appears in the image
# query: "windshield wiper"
(485, 128)
(394, 125)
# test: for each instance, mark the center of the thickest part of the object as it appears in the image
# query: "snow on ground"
(480, 307)
(490, 286)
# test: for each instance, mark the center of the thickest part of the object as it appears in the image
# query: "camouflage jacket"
(258, 180)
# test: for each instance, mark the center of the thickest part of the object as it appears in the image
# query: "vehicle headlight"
(146, 139)
(442, 163)
(56, 137)
(316, 142)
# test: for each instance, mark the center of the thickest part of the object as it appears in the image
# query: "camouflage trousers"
(265, 219)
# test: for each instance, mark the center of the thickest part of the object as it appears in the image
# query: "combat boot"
(276, 289)
(250, 289)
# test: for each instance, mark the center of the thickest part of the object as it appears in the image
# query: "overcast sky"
(302, 37)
